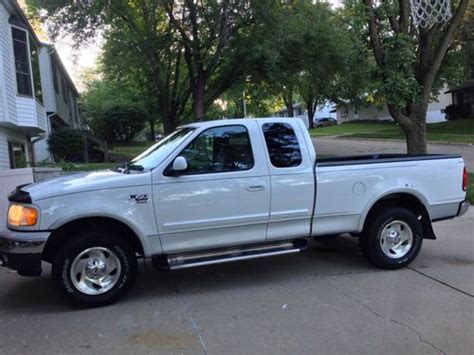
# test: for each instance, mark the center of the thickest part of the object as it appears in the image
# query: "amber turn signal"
(19, 216)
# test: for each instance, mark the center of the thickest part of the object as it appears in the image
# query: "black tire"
(114, 245)
(372, 239)
(364, 244)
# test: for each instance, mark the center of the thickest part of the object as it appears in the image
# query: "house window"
(55, 78)
(34, 52)
(64, 90)
(344, 111)
(74, 108)
(22, 64)
(17, 155)
(71, 105)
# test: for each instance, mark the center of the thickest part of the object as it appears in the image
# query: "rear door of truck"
(292, 178)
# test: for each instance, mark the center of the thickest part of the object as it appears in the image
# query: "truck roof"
(234, 121)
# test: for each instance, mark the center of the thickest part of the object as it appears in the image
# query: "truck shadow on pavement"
(326, 258)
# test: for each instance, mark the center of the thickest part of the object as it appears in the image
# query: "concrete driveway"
(328, 299)
(345, 146)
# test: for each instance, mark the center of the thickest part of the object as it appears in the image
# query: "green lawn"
(459, 131)
(470, 187)
(132, 149)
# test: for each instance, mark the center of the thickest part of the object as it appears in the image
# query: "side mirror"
(180, 164)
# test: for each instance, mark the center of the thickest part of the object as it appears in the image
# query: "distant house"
(368, 111)
(300, 111)
(22, 112)
(60, 97)
(463, 95)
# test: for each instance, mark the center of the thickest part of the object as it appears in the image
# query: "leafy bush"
(119, 123)
(453, 112)
(66, 144)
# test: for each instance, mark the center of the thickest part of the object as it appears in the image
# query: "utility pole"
(244, 104)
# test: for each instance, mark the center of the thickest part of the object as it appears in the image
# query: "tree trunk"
(311, 107)
(416, 139)
(288, 100)
(152, 128)
(199, 92)
(413, 125)
(416, 132)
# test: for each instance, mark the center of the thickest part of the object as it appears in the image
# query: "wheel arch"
(411, 200)
(65, 230)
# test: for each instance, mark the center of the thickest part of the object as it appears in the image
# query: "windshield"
(154, 155)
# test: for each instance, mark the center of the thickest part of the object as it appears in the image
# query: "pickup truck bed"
(221, 191)
(381, 158)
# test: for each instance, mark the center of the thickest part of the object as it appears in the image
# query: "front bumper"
(463, 207)
(22, 251)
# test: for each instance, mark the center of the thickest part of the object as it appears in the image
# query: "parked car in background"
(324, 122)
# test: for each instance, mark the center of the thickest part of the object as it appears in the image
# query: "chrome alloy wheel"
(396, 239)
(95, 270)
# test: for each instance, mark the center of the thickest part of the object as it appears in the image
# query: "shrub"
(119, 123)
(66, 144)
(453, 112)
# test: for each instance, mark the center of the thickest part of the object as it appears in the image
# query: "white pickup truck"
(221, 191)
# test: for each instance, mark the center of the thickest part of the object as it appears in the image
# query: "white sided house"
(369, 111)
(22, 113)
(60, 97)
(324, 110)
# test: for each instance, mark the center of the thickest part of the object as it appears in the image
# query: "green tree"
(119, 123)
(409, 60)
(66, 144)
(217, 40)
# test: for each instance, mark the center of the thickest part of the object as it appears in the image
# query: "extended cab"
(220, 191)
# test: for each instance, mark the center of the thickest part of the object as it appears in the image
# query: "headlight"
(19, 215)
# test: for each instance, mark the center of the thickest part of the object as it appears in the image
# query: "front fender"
(113, 203)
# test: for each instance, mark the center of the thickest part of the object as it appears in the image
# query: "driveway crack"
(381, 316)
(191, 318)
(441, 282)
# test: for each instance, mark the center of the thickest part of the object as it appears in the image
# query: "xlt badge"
(141, 198)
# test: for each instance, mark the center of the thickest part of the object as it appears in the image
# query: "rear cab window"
(282, 145)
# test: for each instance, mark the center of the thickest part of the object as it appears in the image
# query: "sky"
(78, 60)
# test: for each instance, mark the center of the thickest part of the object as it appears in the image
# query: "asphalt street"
(328, 299)
(345, 146)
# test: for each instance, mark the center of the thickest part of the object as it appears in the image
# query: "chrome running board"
(219, 256)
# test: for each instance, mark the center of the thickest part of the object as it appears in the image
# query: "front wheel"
(393, 239)
(95, 269)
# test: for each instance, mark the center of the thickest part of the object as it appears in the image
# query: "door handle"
(255, 187)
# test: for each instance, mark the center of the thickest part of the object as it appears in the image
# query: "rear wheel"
(95, 269)
(393, 239)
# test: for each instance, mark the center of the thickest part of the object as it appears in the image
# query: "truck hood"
(87, 181)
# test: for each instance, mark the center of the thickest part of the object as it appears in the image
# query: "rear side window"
(282, 145)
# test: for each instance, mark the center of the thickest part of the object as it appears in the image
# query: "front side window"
(22, 63)
(218, 150)
(282, 144)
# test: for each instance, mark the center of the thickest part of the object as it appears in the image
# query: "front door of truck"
(221, 199)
